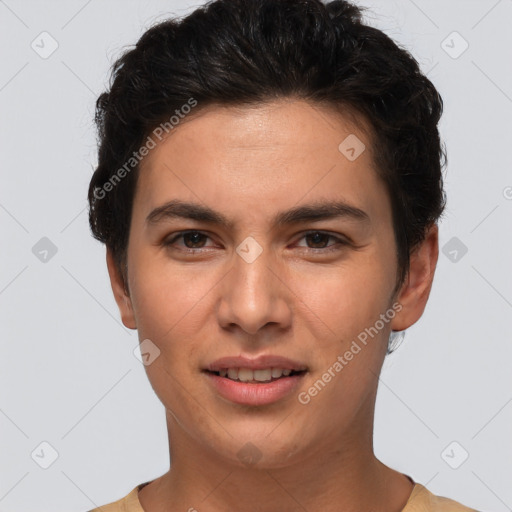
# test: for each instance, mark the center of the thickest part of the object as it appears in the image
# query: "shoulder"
(422, 500)
(130, 503)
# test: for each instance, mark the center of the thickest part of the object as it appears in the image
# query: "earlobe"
(415, 291)
(121, 296)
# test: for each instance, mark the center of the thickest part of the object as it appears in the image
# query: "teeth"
(276, 372)
(247, 375)
(263, 375)
(244, 374)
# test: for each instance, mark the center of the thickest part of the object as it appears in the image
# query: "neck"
(344, 475)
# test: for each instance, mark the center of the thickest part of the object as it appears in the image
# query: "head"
(305, 139)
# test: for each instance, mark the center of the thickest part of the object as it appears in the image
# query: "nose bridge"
(253, 296)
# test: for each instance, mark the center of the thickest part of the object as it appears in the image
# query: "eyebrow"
(311, 212)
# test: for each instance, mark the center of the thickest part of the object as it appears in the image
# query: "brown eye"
(319, 241)
(194, 238)
(191, 240)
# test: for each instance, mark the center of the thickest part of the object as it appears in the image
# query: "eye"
(192, 239)
(320, 238)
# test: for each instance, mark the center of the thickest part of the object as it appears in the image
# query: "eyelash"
(332, 248)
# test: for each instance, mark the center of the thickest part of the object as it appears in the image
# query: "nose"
(254, 296)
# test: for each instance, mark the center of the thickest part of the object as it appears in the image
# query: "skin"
(248, 164)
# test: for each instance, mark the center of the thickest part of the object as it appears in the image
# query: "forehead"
(268, 126)
(262, 156)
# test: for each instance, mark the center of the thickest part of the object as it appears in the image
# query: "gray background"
(68, 373)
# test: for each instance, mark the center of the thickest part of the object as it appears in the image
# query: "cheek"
(344, 299)
(166, 298)
(170, 308)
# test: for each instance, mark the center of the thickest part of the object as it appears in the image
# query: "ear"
(415, 291)
(122, 298)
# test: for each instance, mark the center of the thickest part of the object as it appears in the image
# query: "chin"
(267, 447)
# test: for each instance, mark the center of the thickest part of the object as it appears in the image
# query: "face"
(258, 233)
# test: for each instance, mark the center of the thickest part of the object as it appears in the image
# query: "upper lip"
(258, 363)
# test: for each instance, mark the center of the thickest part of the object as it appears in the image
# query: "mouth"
(261, 376)
(256, 381)
(255, 386)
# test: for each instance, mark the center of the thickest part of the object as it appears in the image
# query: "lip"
(246, 393)
(250, 393)
(258, 363)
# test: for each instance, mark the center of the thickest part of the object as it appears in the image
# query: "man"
(268, 188)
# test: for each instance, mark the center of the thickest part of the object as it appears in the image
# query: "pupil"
(315, 236)
(194, 237)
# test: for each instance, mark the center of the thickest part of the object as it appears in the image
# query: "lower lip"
(247, 393)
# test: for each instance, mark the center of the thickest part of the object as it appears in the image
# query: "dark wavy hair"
(243, 52)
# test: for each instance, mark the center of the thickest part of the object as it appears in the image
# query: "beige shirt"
(420, 500)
